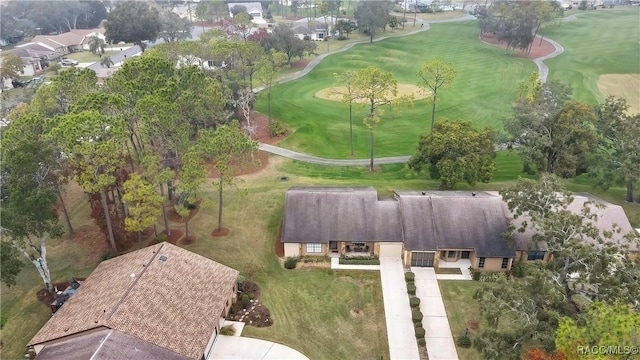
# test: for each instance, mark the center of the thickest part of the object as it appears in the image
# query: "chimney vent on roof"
(163, 258)
(424, 193)
(473, 194)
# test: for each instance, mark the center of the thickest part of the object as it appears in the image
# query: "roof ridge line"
(133, 283)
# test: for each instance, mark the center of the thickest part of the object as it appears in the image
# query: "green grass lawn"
(482, 92)
(462, 311)
(86, 56)
(311, 308)
(596, 43)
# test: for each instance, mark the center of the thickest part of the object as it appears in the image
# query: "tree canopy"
(372, 16)
(435, 74)
(11, 68)
(603, 326)
(283, 39)
(585, 265)
(174, 28)
(456, 152)
(617, 159)
(553, 133)
(374, 88)
(134, 22)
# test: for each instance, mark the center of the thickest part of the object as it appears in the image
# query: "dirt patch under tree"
(539, 47)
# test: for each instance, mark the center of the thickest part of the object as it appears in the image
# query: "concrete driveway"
(243, 348)
(400, 331)
(440, 345)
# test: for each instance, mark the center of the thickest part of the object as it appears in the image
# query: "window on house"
(210, 63)
(481, 262)
(358, 243)
(443, 254)
(505, 263)
(452, 254)
(535, 255)
(320, 35)
(314, 248)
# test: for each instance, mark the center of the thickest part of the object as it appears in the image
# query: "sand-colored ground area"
(335, 93)
(626, 86)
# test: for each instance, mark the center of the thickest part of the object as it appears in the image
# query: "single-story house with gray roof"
(423, 227)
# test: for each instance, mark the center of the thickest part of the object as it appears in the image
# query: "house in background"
(160, 302)
(253, 8)
(35, 57)
(72, 41)
(424, 228)
(316, 29)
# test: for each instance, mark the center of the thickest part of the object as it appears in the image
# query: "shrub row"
(416, 314)
(314, 259)
(409, 276)
(411, 288)
(354, 261)
(360, 257)
(414, 302)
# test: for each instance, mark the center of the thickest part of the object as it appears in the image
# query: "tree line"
(136, 144)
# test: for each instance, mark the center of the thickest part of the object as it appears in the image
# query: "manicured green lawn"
(311, 308)
(596, 43)
(463, 312)
(482, 92)
(87, 56)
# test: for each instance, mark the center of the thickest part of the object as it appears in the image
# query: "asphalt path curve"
(543, 72)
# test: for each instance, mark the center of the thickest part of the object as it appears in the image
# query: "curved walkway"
(331, 162)
(244, 348)
(313, 63)
(543, 69)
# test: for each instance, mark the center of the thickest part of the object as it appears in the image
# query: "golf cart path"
(543, 72)
(331, 162)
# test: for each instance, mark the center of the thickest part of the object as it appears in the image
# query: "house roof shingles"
(106, 344)
(455, 220)
(608, 217)
(161, 294)
(320, 215)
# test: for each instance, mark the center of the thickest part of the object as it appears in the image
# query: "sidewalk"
(400, 330)
(440, 344)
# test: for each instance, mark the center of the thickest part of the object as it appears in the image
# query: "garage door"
(391, 250)
(423, 259)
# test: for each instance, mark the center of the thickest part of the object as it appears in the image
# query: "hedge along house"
(421, 227)
(160, 302)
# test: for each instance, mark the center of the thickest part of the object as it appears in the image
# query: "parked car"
(68, 62)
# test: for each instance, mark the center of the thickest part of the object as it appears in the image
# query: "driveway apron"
(440, 345)
(400, 331)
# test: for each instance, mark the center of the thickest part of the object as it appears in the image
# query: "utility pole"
(404, 14)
